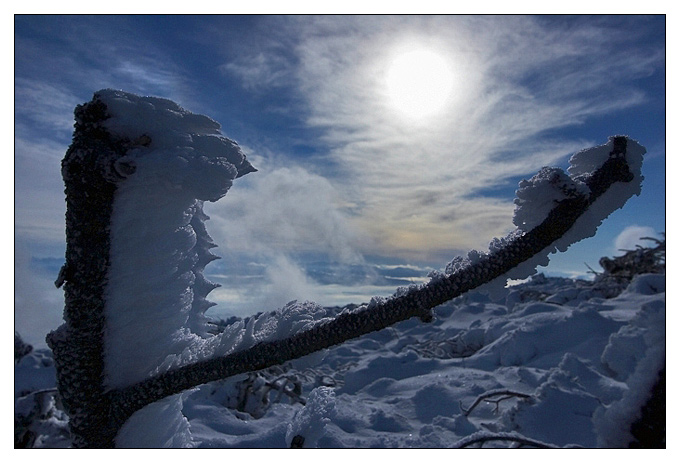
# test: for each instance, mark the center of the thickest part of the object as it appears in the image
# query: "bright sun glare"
(419, 83)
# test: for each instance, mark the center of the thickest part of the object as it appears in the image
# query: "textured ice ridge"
(156, 292)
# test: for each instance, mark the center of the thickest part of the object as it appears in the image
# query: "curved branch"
(418, 301)
(482, 437)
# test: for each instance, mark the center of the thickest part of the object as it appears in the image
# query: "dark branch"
(505, 393)
(483, 438)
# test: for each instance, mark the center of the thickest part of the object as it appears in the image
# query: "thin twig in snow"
(482, 437)
(487, 395)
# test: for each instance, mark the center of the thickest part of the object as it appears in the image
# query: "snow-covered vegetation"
(556, 362)
(136, 350)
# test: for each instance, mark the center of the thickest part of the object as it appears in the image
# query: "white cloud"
(285, 282)
(284, 210)
(38, 304)
(631, 236)
(281, 281)
(275, 216)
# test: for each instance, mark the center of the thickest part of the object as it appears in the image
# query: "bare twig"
(591, 270)
(483, 437)
(41, 391)
(505, 393)
(293, 394)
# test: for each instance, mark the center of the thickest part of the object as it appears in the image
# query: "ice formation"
(295, 317)
(156, 293)
(538, 196)
(309, 423)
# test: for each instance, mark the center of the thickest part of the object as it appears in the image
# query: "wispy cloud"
(90, 53)
(148, 76)
(46, 104)
(517, 78)
(259, 71)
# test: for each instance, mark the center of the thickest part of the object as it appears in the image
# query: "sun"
(419, 83)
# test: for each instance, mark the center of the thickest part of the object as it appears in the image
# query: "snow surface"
(583, 359)
(403, 387)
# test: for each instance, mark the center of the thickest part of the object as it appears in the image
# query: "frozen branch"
(107, 162)
(418, 301)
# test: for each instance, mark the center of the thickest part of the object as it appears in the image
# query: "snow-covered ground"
(566, 365)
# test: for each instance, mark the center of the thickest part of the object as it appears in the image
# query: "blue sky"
(356, 193)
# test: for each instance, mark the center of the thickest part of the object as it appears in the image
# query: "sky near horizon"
(385, 145)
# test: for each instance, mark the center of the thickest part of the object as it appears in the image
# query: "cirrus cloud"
(518, 79)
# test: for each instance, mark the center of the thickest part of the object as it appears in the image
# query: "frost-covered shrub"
(40, 421)
(619, 272)
(463, 344)
(260, 389)
(641, 260)
(289, 383)
(308, 424)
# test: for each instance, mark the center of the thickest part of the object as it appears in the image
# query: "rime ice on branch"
(136, 176)
(156, 290)
(554, 210)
